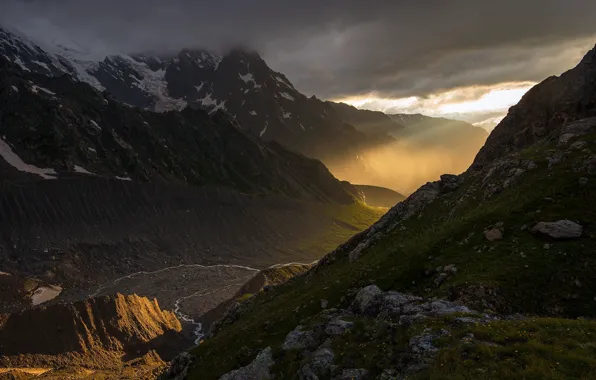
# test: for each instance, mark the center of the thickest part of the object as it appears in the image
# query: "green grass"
(538, 348)
(524, 276)
(348, 221)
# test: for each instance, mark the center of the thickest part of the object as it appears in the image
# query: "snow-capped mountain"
(239, 82)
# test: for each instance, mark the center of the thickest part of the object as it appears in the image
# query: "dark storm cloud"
(337, 48)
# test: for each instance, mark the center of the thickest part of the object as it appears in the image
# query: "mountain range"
(197, 185)
(240, 84)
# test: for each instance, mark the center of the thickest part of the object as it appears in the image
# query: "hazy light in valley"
(480, 105)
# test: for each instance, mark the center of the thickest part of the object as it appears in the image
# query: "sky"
(466, 59)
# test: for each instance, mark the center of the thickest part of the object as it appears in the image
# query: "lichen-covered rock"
(257, 370)
(392, 302)
(338, 327)
(561, 229)
(319, 366)
(577, 128)
(179, 367)
(299, 339)
(367, 300)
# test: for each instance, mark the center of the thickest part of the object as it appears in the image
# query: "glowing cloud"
(482, 105)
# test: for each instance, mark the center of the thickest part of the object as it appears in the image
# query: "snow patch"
(287, 115)
(283, 81)
(35, 89)
(82, 170)
(15, 88)
(154, 83)
(123, 178)
(247, 78)
(18, 61)
(264, 130)
(302, 126)
(208, 101)
(15, 161)
(253, 113)
(95, 124)
(91, 150)
(42, 65)
(287, 96)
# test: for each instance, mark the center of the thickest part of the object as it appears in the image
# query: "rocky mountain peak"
(543, 111)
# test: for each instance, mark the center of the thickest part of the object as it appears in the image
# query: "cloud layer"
(339, 48)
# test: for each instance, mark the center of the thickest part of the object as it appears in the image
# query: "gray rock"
(442, 307)
(583, 181)
(493, 234)
(298, 339)
(561, 229)
(577, 128)
(179, 366)
(257, 370)
(356, 253)
(338, 327)
(423, 344)
(321, 361)
(449, 183)
(352, 374)
(366, 299)
(324, 304)
(440, 279)
(393, 302)
(450, 269)
(578, 145)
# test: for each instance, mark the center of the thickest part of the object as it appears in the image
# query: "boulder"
(179, 366)
(298, 339)
(321, 362)
(366, 300)
(338, 327)
(493, 234)
(577, 128)
(449, 183)
(561, 229)
(257, 370)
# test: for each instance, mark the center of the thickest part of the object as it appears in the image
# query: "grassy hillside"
(522, 273)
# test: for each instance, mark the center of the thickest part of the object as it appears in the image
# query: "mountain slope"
(514, 234)
(70, 128)
(239, 82)
(91, 189)
(98, 333)
(370, 122)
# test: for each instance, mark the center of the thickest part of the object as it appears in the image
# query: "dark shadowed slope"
(91, 189)
(488, 274)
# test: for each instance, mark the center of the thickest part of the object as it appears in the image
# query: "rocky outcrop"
(257, 370)
(314, 341)
(561, 229)
(549, 111)
(91, 333)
